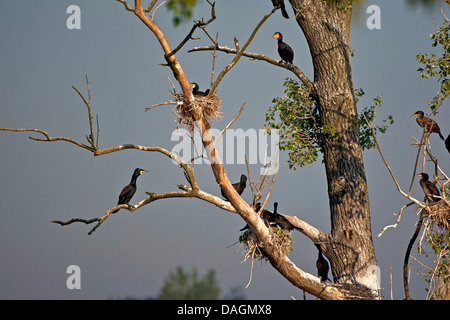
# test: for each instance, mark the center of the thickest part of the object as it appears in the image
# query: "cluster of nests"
(439, 213)
(205, 106)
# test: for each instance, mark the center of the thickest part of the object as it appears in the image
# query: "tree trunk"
(326, 26)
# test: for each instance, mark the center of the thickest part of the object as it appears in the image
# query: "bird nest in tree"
(252, 249)
(439, 213)
(205, 107)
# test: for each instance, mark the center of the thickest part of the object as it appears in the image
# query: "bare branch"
(230, 123)
(127, 6)
(197, 24)
(238, 53)
(151, 6)
(288, 66)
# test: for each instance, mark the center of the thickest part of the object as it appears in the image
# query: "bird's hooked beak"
(276, 36)
(142, 171)
(414, 115)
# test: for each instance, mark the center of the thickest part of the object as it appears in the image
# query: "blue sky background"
(130, 254)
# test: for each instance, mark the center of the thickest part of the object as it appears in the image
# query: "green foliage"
(439, 241)
(437, 66)
(182, 9)
(182, 285)
(365, 133)
(296, 118)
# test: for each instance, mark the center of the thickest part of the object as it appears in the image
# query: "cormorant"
(281, 220)
(425, 122)
(195, 87)
(272, 219)
(322, 266)
(129, 190)
(286, 53)
(280, 4)
(447, 143)
(239, 187)
(429, 188)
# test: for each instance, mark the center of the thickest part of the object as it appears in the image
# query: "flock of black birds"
(273, 218)
(432, 193)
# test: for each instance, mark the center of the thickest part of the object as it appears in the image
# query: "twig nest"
(206, 107)
(439, 213)
(252, 250)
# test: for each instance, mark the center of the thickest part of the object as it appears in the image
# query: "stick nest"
(206, 107)
(439, 213)
(252, 250)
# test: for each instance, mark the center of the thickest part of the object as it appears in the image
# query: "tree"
(349, 248)
(183, 285)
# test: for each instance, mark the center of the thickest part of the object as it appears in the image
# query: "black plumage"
(129, 190)
(239, 187)
(273, 219)
(280, 4)
(427, 123)
(195, 90)
(447, 143)
(322, 265)
(284, 50)
(429, 188)
(281, 220)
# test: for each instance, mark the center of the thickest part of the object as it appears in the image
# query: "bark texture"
(326, 26)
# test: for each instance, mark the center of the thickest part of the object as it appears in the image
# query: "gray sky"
(130, 254)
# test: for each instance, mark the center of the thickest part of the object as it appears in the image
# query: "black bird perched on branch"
(447, 143)
(427, 123)
(239, 187)
(129, 190)
(285, 51)
(195, 87)
(281, 220)
(322, 265)
(273, 219)
(429, 188)
(280, 4)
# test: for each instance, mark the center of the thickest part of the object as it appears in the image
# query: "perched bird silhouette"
(284, 50)
(429, 188)
(427, 123)
(447, 143)
(280, 4)
(195, 90)
(274, 219)
(281, 220)
(322, 265)
(239, 187)
(129, 190)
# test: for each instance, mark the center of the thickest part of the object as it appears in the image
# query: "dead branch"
(197, 24)
(288, 66)
(239, 52)
(419, 203)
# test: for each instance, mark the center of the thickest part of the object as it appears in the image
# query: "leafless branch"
(230, 123)
(239, 53)
(127, 6)
(196, 25)
(288, 66)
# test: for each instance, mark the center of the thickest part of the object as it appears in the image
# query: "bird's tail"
(284, 13)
